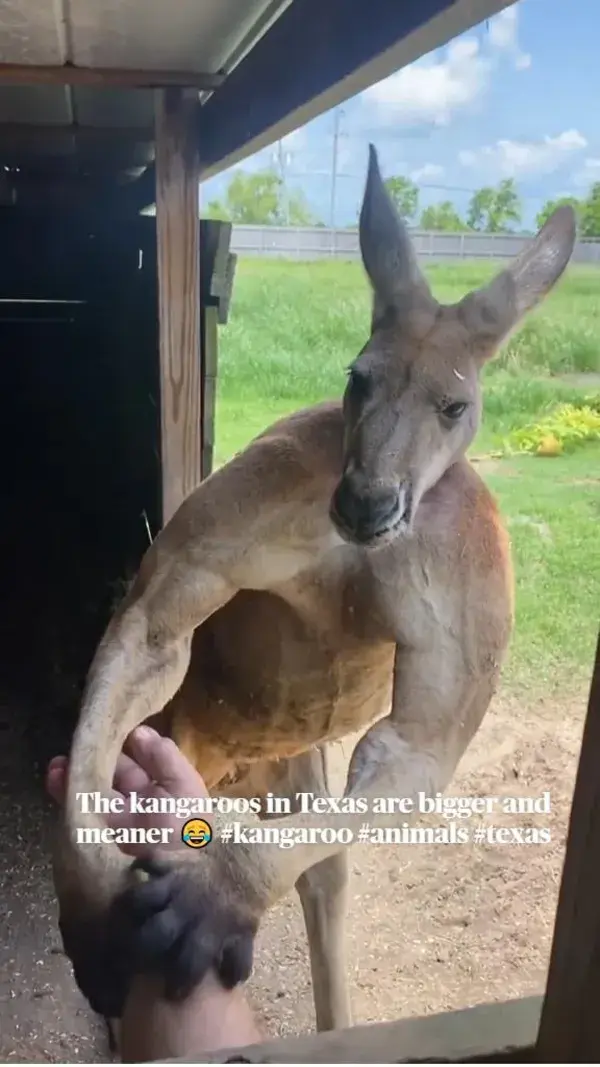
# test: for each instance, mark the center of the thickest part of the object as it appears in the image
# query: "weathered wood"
(106, 77)
(209, 385)
(570, 1023)
(219, 237)
(227, 293)
(82, 436)
(488, 1033)
(69, 249)
(218, 269)
(47, 139)
(215, 239)
(178, 228)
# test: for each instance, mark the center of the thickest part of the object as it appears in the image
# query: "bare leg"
(322, 889)
(323, 892)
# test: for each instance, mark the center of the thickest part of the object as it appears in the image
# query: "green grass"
(295, 327)
(552, 508)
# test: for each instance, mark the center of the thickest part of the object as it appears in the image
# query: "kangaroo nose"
(362, 510)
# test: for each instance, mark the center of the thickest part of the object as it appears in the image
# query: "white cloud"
(512, 159)
(503, 34)
(503, 28)
(432, 90)
(589, 173)
(428, 170)
(435, 88)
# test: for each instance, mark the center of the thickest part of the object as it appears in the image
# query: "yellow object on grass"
(562, 430)
(549, 446)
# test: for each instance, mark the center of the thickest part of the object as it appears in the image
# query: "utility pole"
(337, 115)
(284, 190)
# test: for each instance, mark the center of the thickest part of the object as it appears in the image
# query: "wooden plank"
(487, 1033)
(106, 77)
(570, 1023)
(22, 133)
(55, 271)
(178, 228)
(215, 238)
(102, 143)
(227, 292)
(218, 281)
(209, 385)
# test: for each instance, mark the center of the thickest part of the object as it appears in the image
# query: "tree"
(590, 213)
(507, 208)
(493, 209)
(260, 199)
(551, 205)
(215, 209)
(298, 211)
(254, 198)
(405, 195)
(443, 217)
(480, 205)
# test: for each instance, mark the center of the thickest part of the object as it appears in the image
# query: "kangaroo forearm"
(139, 666)
(314, 835)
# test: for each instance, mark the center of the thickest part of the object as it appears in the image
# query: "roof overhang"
(262, 68)
(72, 88)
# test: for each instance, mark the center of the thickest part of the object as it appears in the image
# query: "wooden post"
(570, 1023)
(209, 321)
(177, 231)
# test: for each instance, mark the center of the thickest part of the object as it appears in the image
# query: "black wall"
(79, 446)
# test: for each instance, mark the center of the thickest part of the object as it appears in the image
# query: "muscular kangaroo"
(347, 570)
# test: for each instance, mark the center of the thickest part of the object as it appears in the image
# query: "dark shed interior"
(79, 442)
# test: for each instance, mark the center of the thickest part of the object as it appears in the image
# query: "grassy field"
(294, 327)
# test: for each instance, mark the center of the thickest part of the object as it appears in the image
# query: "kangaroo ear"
(493, 313)
(386, 248)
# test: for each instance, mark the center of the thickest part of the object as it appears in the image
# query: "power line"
(421, 185)
(464, 189)
(282, 162)
(337, 115)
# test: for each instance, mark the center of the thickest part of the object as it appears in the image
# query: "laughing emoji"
(196, 833)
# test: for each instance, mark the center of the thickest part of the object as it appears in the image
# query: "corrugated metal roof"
(201, 36)
(194, 35)
(285, 60)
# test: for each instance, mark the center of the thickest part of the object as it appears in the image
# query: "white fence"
(317, 242)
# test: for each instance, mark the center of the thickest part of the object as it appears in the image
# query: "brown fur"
(296, 635)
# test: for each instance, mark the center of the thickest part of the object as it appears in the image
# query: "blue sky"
(518, 97)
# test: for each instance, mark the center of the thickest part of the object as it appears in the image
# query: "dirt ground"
(431, 928)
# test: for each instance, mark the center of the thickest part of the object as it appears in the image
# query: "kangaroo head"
(412, 405)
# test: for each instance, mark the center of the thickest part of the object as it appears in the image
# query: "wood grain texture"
(570, 1023)
(105, 77)
(177, 231)
(209, 385)
(487, 1033)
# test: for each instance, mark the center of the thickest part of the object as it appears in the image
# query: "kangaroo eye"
(453, 411)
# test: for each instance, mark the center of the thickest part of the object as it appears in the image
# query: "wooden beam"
(177, 232)
(210, 348)
(487, 1033)
(107, 77)
(227, 290)
(16, 136)
(570, 1023)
